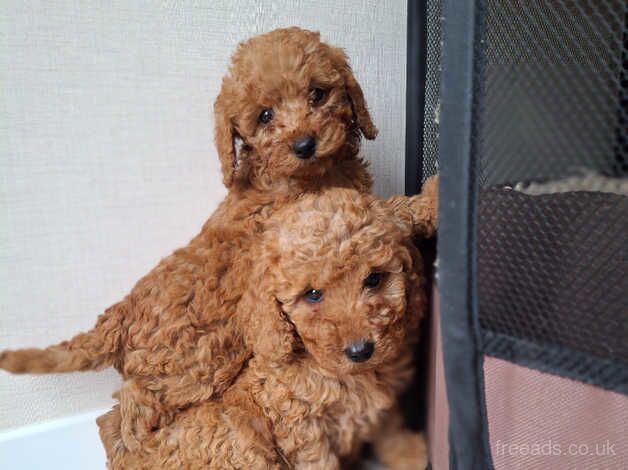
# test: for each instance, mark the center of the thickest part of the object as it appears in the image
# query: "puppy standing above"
(288, 122)
(332, 314)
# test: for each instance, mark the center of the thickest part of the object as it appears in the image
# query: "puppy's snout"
(360, 351)
(304, 147)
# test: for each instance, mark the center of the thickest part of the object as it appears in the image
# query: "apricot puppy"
(332, 313)
(289, 120)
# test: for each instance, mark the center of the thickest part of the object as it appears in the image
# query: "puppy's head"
(287, 107)
(339, 281)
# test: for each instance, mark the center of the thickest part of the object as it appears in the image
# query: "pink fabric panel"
(437, 408)
(541, 421)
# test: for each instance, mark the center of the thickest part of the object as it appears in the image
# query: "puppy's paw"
(26, 360)
(136, 421)
(425, 208)
(404, 451)
(109, 426)
(132, 432)
(430, 187)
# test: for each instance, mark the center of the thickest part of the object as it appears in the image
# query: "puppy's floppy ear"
(267, 329)
(226, 140)
(360, 110)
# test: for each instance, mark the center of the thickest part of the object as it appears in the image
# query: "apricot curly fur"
(172, 338)
(300, 402)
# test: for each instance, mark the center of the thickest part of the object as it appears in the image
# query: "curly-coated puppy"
(288, 121)
(332, 314)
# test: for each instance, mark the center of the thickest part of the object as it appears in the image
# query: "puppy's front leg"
(140, 413)
(325, 462)
(420, 210)
(149, 402)
(399, 448)
(307, 449)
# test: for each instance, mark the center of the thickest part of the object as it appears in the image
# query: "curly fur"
(172, 337)
(300, 402)
(279, 71)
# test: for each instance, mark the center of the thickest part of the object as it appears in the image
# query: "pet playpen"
(522, 107)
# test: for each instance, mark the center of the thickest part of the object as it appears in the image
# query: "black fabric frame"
(621, 145)
(465, 342)
(415, 94)
(462, 348)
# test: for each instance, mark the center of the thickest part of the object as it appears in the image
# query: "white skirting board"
(63, 444)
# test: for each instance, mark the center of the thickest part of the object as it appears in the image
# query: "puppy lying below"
(331, 314)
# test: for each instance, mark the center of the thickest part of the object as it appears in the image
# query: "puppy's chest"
(350, 423)
(304, 412)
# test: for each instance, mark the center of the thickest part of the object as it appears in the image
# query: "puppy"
(332, 313)
(288, 121)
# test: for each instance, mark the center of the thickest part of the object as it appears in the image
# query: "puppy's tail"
(95, 349)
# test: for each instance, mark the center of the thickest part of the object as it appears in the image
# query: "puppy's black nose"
(360, 351)
(304, 147)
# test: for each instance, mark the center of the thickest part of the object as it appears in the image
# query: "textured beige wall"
(106, 157)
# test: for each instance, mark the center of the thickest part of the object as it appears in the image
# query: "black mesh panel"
(432, 89)
(551, 127)
(554, 89)
(554, 269)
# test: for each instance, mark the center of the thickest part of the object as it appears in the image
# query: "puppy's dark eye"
(316, 95)
(265, 116)
(313, 296)
(373, 280)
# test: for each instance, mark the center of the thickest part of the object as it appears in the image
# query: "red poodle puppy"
(332, 313)
(288, 122)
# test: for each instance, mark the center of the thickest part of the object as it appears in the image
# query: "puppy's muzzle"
(304, 147)
(360, 351)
